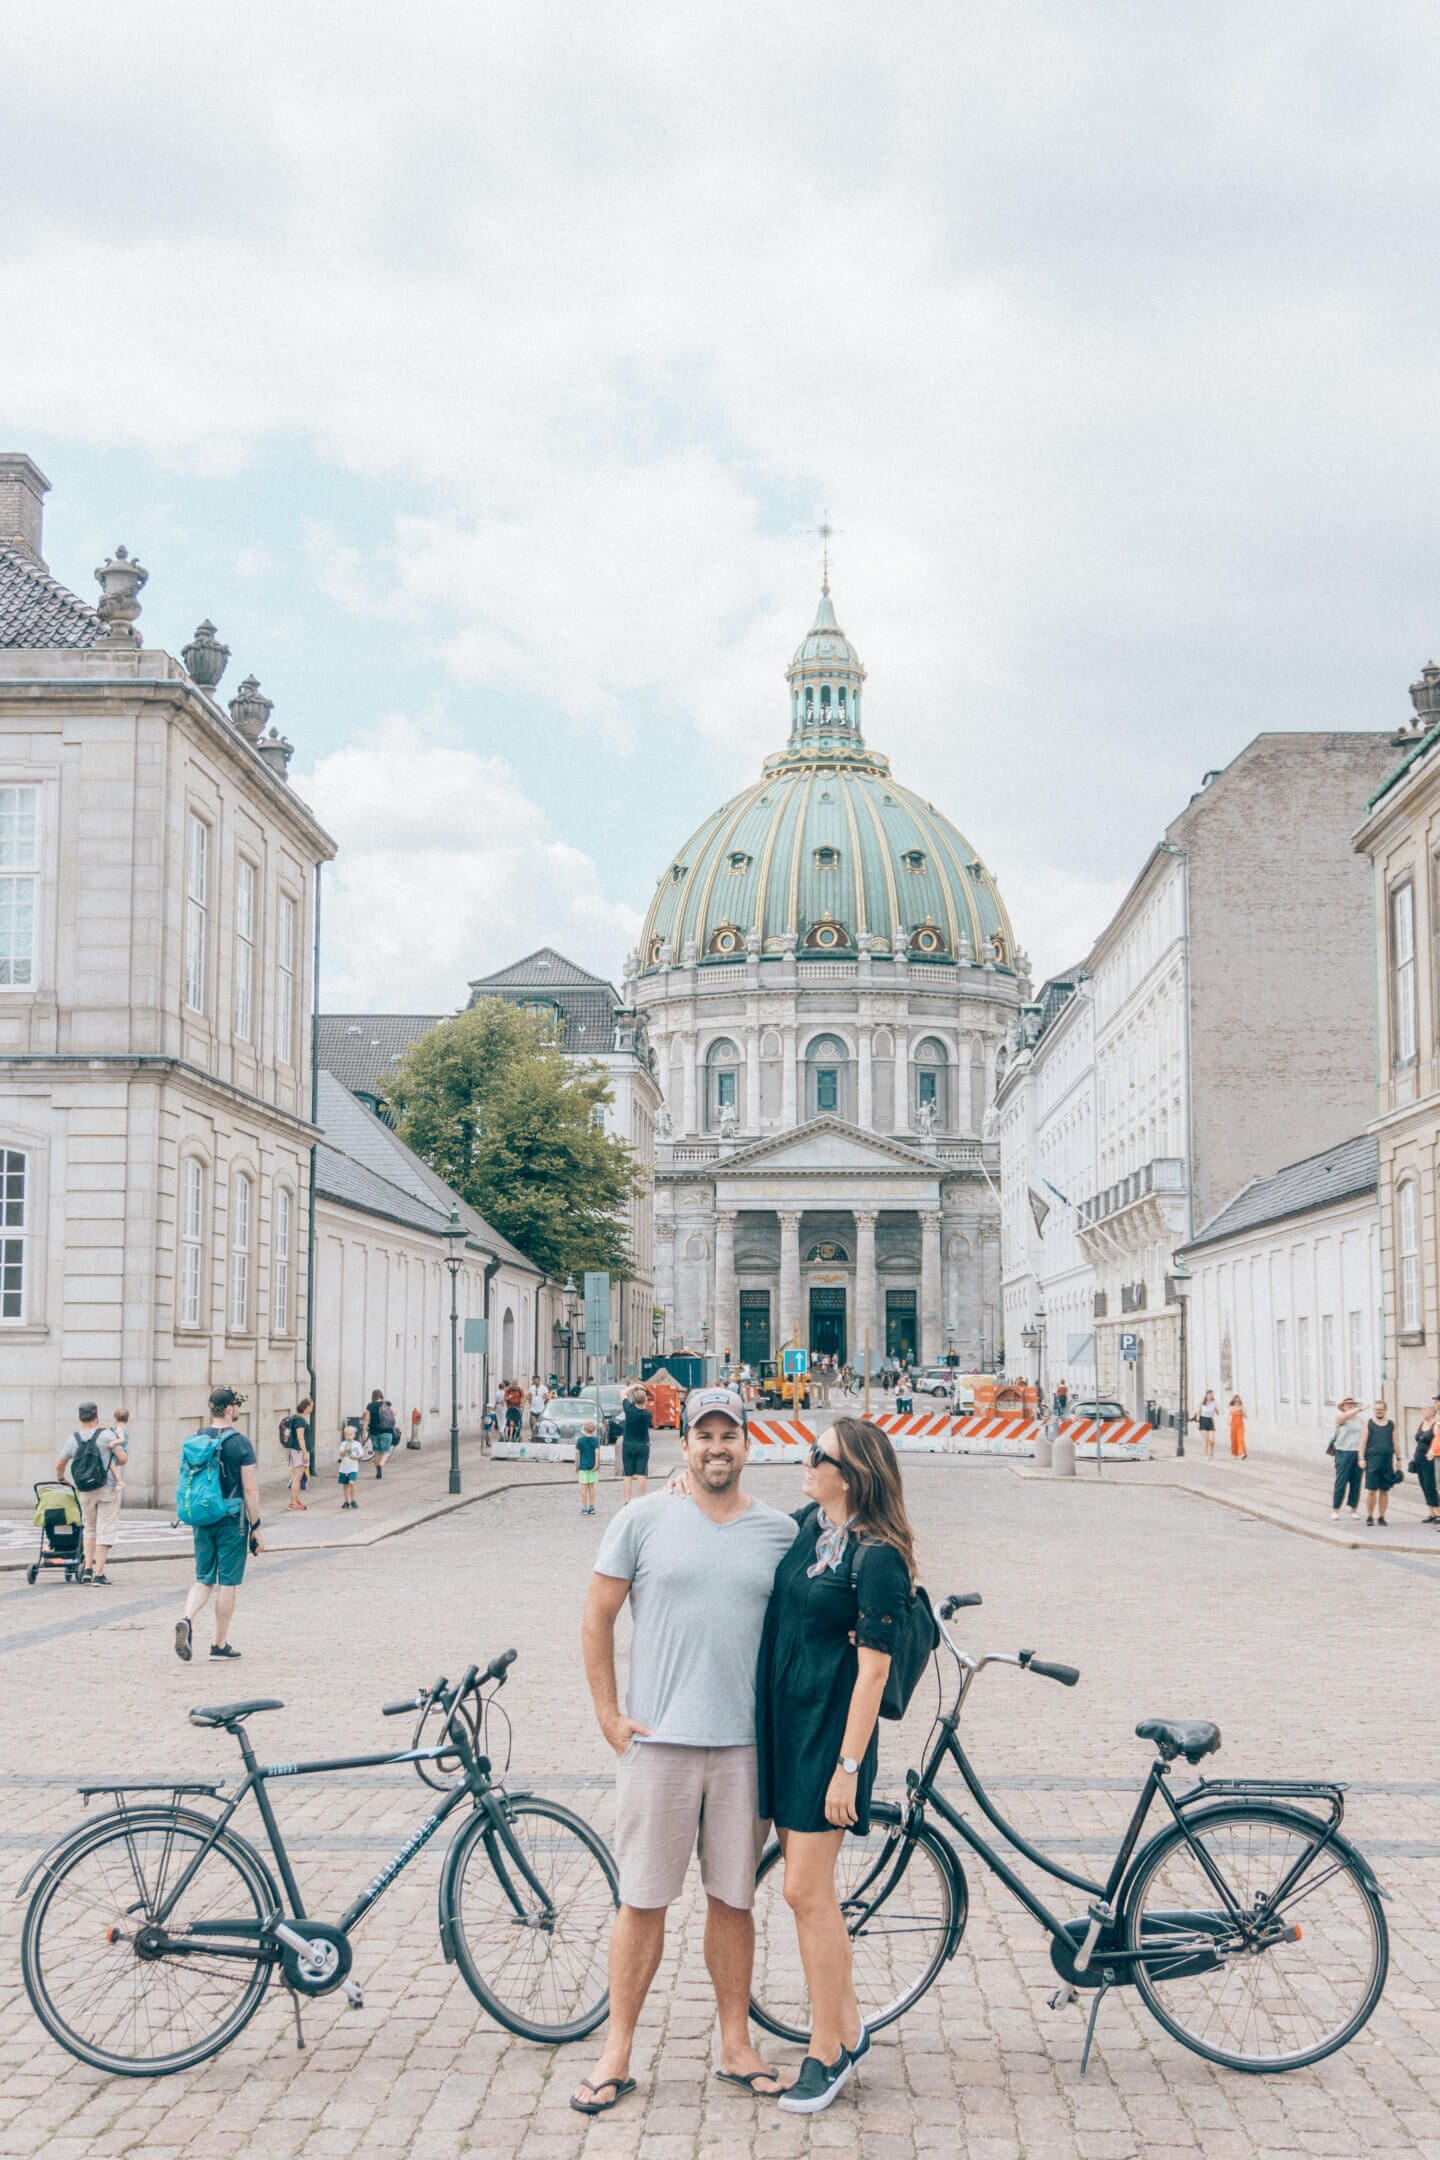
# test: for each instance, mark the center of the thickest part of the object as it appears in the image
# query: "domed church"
(827, 974)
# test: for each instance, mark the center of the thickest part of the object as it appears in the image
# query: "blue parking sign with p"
(1129, 1348)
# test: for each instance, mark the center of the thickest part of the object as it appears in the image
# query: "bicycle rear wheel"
(109, 1991)
(539, 1965)
(904, 1904)
(1289, 1981)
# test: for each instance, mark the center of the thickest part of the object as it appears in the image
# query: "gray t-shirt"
(698, 1594)
(109, 1439)
(1348, 1435)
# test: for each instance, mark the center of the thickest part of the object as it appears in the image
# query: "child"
(351, 1456)
(587, 1450)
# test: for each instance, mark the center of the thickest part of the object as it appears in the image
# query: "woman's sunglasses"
(819, 1455)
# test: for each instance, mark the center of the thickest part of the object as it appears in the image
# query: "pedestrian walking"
(295, 1439)
(1424, 1459)
(1345, 1446)
(381, 1429)
(587, 1464)
(635, 1445)
(1237, 1429)
(91, 1460)
(514, 1404)
(1382, 1464)
(697, 1573)
(352, 1454)
(220, 1482)
(535, 1404)
(842, 1593)
(1062, 1398)
(1206, 1417)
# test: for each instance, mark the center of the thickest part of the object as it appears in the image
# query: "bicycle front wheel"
(1288, 1981)
(904, 1903)
(537, 1961)
(103, 1976)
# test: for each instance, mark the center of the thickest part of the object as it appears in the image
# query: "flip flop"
(598, 2106)
(747, 2078)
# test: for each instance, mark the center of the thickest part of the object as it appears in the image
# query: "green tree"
(492, 1104)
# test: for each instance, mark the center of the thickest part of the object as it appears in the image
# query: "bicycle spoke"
(540, 1965)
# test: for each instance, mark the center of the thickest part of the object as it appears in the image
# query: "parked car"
(563, 1418)
(1103, 1410)
(936, 1380)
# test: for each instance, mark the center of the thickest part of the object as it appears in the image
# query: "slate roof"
(544, 966)
(363, 1164)
(585, 1003)
(360, 1048)
(36, 610)
(1346, 1172)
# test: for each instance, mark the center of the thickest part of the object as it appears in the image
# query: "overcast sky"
(482, 369)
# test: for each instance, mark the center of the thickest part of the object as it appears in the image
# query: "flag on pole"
(1039, 1209)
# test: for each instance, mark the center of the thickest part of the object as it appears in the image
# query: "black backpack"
(915, 1644)
(88, 1467)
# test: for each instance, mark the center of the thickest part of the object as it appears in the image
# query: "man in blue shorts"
(221, 1548)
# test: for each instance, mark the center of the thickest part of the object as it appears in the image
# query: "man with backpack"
(218, 1494)
(90, 1461)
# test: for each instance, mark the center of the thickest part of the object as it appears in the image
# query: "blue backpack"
(199, 1500)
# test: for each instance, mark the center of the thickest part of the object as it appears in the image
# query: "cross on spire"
(827, 533)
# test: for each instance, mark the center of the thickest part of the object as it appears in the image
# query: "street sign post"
(795, 1362)
(597, 1316)
(1130, 1349)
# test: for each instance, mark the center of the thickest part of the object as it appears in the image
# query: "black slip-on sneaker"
(818, 2084)
(223, 1650)
(183, 1633)
(861, 2048)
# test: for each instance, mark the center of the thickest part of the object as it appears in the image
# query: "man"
(100, 1507)
(514, 1404)
(698, 1574)
(221, 1548)
(538, 1398)
(635, 1446)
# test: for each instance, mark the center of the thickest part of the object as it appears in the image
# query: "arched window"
(931, 1068)
(1407, 1240)
(827, 1078)
(242, 1197)
(722, 1082)
(726, 941)
(15, 1224)
(827, 936)
(928, 940)
(192, 1242)
(507, 1346)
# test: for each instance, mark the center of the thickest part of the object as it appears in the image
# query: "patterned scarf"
(833, 1544)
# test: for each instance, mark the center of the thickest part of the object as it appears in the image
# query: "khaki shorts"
(671, 1802)
(101, 1511)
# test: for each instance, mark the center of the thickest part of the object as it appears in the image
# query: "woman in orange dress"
(1237, 1427)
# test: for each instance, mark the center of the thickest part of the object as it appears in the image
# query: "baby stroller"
(62, 1535)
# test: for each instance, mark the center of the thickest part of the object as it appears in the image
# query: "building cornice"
(60, 1064)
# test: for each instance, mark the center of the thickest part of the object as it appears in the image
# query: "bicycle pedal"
(1063, 1997)
(350, 1989)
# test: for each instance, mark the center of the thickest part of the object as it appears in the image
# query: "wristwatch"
(848, 1764)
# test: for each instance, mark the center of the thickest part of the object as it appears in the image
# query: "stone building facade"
(827, 975)
(1399, 841)
(1233, 1024)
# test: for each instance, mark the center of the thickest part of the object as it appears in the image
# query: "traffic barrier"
(929, 1432)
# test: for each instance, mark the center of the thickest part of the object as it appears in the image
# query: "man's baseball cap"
(701, 1401)
(224, 1398)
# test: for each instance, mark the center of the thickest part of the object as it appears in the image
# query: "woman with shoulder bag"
(1345, 1447)
(1423, 1460)
(1382, 1465)
(842, 1597)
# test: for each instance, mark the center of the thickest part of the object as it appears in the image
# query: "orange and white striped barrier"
(934, 1432)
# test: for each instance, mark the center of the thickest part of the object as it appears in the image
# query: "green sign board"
(476, 1338)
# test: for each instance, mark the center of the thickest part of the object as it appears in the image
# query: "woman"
(1423, 1461)
(841, 1593)
(1345, 1447)
(1205, 1417)
(1237, 1428)
(1382, 1465)
(379, 1428)
(295, 1439)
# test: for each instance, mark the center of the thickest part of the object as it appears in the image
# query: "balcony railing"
(1165, 1175)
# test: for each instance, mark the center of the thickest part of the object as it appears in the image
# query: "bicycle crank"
(315, 1958)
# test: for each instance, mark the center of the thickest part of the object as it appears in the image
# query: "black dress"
(806, 1674)
(1380, 1456)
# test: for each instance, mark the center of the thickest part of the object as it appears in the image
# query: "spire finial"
(827, 533)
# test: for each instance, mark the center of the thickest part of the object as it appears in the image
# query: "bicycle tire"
(554, 1841)
(446, 1771)
(63, 1970)
(1295, 1985)
(886, 1984)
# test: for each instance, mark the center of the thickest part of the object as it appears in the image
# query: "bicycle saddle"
(229, 1714)
(1190, 1737)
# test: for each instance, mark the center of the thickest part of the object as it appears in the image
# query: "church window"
(826, 858)
(739, 862)
(722, 1081)
(14, 1227)
(928, 939)
(652, 951)
(725, 1089)
(827, 936)
(726, 941)
(914, 861)
(677, 872)
(827, 1088)
(928, 1082)
(19, 879)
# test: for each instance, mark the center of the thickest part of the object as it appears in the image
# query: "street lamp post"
(570, 1295)
(1181, 1277)
(1040, 1349)
(454, 1242)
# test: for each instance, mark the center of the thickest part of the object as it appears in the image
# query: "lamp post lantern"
(454, 1255)
(1181, 1277)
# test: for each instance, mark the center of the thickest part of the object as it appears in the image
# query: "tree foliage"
(492, 1104)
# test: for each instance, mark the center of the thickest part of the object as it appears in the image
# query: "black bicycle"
(1252, 1929)
(154, 1931)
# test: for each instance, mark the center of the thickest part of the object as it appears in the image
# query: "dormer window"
(726, 942)
(927, 939)
(826, 858)
(739, 862)
(914, 861)
(827, 935)
(652, 953)
(677, 872)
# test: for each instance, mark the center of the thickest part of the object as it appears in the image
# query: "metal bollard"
(1062, 1454)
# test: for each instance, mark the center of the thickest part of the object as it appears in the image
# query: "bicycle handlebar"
(1067, 1675)
(495, 1670)
(956, 1600)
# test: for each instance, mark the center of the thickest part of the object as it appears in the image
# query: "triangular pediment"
(826, 1143)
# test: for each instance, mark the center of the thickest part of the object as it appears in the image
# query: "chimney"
(23, 488)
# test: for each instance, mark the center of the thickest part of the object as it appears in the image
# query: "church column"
(788, 1118)
(726, 1336)
(931, 1345)
(687, 1049)
(752, 1081)
(865, 1321)
(789, 1321)
(902, 1081)
(864, 1111)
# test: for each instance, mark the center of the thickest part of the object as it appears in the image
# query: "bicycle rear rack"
(1293, 1788)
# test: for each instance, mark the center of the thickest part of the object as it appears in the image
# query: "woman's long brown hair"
(868, 1465)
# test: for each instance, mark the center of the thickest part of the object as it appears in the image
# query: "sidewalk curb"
(1344, 1541)
(391, 1526)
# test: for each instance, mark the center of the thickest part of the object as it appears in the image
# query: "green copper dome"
(826, 854)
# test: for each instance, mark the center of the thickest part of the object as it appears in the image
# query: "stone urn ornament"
(250, 709)
(277, 752)
(205, 657)
(120, 579)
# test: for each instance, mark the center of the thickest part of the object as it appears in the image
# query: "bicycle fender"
(1197, 1818)
(53, 1854)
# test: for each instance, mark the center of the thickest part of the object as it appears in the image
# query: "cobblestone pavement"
(1314, 1659)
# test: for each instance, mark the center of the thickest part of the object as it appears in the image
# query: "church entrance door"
(900, 1328)
(754, 1327)
(827, 1324)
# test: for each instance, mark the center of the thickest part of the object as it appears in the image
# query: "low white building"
(1045, 1114)
(1284, 1303)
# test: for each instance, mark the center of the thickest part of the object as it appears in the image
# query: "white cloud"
(447, 870)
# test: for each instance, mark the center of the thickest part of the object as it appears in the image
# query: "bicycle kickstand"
(1100, 1993)
(295, 2006)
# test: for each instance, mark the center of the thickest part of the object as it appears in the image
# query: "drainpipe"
(310, 1213)
(492, 1269)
